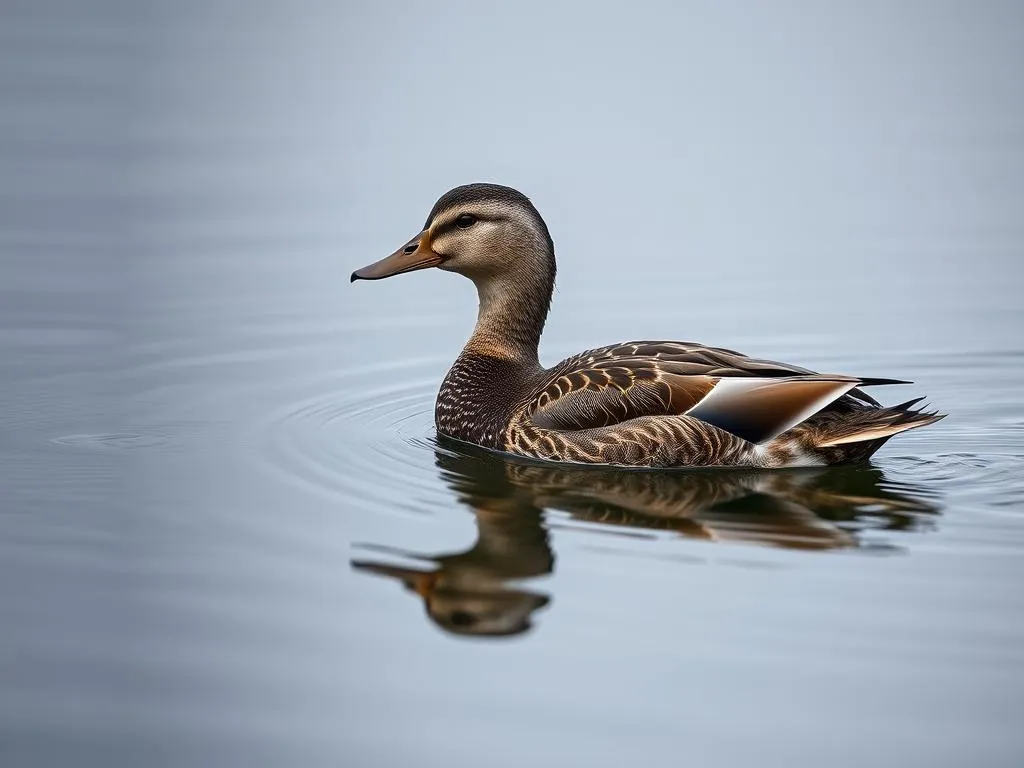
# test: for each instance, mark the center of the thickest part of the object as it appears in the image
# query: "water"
(229, 532)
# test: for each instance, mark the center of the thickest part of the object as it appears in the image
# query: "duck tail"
(857, 434)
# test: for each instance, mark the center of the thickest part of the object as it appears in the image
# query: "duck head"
(494, 236)
(486, 232)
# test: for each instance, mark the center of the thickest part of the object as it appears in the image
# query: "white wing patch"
(759, 409)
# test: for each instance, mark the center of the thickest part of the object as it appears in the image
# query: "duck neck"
(511, 318)
(499, 362)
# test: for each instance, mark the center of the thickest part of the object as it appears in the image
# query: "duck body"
(637, 404)
(627, 404)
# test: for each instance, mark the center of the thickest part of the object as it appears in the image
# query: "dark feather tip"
(880, 382)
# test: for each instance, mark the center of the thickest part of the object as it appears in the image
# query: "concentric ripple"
(354, 439)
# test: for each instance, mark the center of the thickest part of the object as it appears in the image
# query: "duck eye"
(465, 221)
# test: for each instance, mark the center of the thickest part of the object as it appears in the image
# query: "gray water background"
(218, 470)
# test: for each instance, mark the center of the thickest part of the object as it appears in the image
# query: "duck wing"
(711, 361)
(752, 399)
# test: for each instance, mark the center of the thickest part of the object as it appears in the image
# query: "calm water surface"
(228, 532)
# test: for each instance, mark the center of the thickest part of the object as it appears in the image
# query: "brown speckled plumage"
(645, 403)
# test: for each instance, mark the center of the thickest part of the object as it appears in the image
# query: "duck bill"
(416, 254)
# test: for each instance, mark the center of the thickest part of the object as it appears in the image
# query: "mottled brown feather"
(627, 404)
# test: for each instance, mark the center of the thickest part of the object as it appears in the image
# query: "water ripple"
(111, 441)
(364, 442)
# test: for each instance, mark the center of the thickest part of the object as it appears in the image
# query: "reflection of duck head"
(470, 593)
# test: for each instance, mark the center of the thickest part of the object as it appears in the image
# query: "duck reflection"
(477, 592)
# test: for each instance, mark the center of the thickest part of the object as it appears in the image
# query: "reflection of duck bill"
(420, 582)
(485, 608)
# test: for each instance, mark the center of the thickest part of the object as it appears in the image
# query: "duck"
(641, 404)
